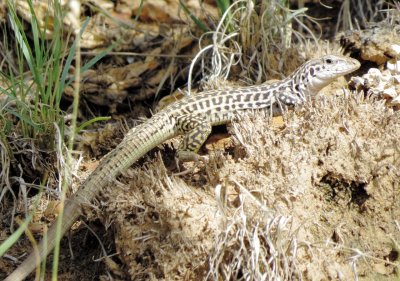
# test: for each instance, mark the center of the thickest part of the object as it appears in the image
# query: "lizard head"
(318, 73)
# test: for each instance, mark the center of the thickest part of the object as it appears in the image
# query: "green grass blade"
(195, 19)
(86, 66)
(23, 118)
(223, 5)
(14, 237)
(91, 121)
(99, 56)
(139, 11)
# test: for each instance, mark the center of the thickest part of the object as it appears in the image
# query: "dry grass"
(253, 42)
(314, 199)
(249, 249)
(359, 14)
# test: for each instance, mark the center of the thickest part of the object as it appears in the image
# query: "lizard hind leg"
(196, 131)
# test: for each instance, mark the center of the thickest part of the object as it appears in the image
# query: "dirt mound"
(315, 199)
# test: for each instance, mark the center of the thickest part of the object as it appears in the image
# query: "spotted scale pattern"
(194, 115)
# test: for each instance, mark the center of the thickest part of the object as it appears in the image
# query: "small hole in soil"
(154, 216)
(393, 256)
(130, 216)
(344, 191)
(146, 258)
(335, 237)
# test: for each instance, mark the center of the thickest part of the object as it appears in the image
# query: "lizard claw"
(188, 157)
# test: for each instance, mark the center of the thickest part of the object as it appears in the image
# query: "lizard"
(192, 116)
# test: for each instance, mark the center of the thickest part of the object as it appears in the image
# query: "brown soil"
(318, 197)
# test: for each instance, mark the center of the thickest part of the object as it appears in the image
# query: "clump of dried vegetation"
(314, 198)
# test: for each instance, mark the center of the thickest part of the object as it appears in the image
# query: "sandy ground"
(315, 198)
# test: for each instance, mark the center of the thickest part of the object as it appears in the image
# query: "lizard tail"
(136, 143)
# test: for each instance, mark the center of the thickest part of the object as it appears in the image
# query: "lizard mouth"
(356, 65)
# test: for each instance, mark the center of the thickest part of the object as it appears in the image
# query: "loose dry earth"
(315, 199)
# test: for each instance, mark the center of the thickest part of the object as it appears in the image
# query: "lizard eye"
(328, 61)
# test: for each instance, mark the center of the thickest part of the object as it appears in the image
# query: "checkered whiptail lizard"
(193, 116)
